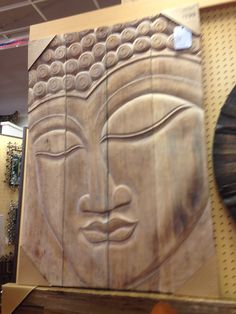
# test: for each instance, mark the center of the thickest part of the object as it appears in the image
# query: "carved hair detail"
(74, 61)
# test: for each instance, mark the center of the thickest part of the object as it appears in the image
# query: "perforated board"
(219, 77)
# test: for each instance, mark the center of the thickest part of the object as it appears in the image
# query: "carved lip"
(116, 230)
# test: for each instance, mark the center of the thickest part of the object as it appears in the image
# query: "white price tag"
(182, 38)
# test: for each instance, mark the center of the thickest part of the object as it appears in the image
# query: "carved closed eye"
(142, 116)
(57, 143)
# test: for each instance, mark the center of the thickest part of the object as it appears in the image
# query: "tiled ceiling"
(15, 14)
(75, 7)
(19, 17)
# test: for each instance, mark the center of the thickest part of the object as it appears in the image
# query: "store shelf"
(72, 301)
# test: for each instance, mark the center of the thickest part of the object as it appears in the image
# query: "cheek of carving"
(51, 199)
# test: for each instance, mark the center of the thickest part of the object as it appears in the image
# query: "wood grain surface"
(56, 302)
(116, 192)
(224, 152)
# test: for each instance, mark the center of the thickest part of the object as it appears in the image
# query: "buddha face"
(121, 174)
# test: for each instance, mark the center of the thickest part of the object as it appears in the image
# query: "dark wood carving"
(116, 191)
(224, 152)
(84, 302)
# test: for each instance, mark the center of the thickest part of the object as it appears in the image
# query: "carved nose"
(121, 195)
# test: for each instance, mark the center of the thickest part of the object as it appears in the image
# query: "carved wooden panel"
(116, 192)
(224, 152)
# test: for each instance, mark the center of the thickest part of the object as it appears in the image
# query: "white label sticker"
(182, 38)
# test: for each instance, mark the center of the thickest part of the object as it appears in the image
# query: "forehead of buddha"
(113, 64)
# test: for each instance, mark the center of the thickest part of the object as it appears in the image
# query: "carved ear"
(36, 48)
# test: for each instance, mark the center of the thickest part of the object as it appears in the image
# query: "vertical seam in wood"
(107, 182)
(64, 179)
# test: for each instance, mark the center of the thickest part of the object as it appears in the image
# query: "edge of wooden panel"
(22, 206)
(112, 15)
(61, 300)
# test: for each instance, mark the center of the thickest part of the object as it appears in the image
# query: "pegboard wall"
(219, 77)
(6, 194)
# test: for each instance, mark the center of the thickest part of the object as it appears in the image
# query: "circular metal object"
(224, 153)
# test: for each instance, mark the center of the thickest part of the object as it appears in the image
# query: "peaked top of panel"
(120, 14)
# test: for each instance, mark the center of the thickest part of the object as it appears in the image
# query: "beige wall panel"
(219, 77)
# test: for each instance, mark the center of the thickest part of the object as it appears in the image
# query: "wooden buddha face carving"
(117, 155)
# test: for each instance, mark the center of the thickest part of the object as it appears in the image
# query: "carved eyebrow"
(143, 86)
(52, 116)
(156, 126)
(60, 154)
(61, 122)
(105, 110)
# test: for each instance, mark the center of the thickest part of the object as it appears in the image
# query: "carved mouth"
(116, 230)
